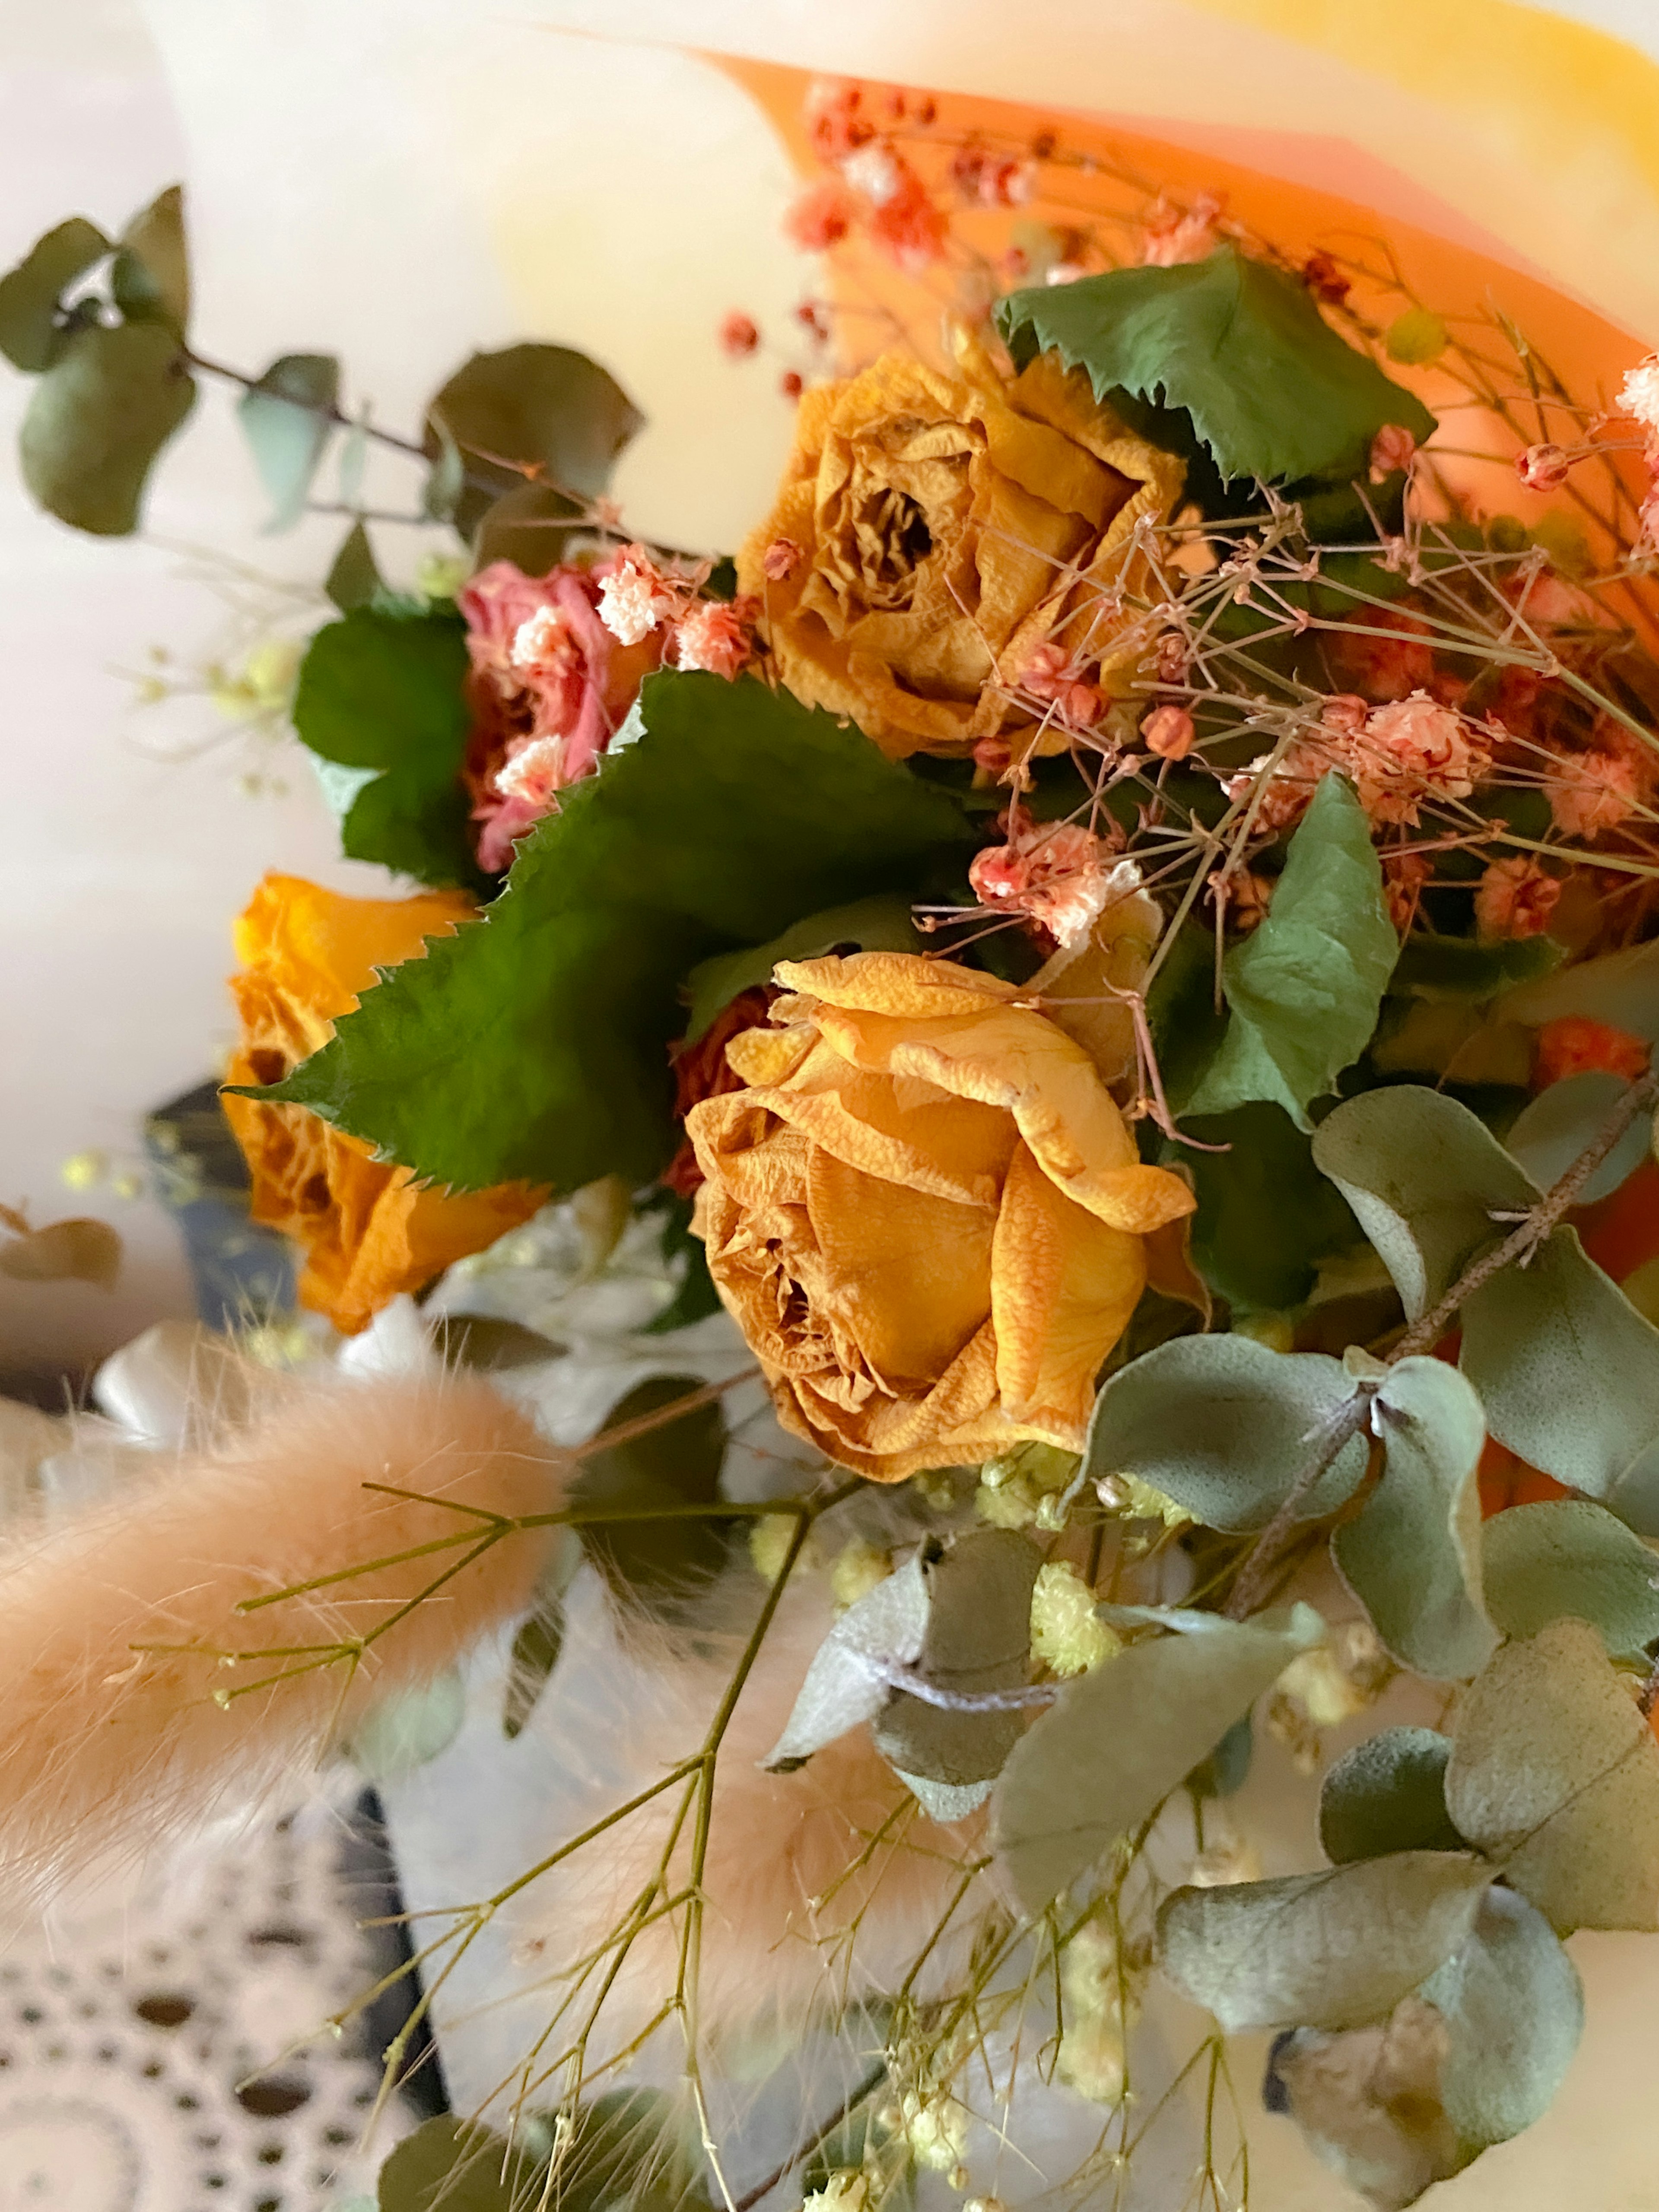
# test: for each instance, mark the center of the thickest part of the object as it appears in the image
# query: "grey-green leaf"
(1412, 1555)
(1425, 1177)
(1514, 2008)
(1568, 1371)
(1334, 1949)
(1306, 986)
(288, 419)
(96, 421)
(978, 1640)
(848, 1681)
(453, 2166)
(1562, 1123)
(1554, 1775)
(1114, 1745)
(532, 415)
(150, 279)
(881, 924)
(29, 336)
(1224, 1426)
(1569, 1558)
(1387, 1794)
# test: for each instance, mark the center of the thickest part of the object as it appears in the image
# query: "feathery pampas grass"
(112, 1735)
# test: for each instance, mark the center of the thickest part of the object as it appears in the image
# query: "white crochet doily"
(146, 2050)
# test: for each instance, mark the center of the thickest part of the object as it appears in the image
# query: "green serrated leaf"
(1514, 2008)
(1223, 1426)
(354, 580)
(1569, 1558)
(382, 690)
(655, 1563)
(1272, 391)
(1554, 1775)
(1107, 1753)
(1563, 1121)
(978, 1639)
(288, 420)
(1329, 1950)
(846, 1684)
(537, 1044)
(402, 1730)
(1266, 1216)
(29, 337)
(1425, 1177)
(1305, 988)
(150, 279)
(875, 925)
(96, 421)
(1387, 1794)
(1462, 969)
(451, 2165)
(531, 417)
(1412, 1555)
(1568, 1371)
(1621, 988)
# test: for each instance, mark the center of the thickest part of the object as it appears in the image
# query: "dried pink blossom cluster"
(872, 186)
(1410, 751)
(1515, 897)
(1052, 678)
(1059, 874)
(1172, 234)
(638, 599)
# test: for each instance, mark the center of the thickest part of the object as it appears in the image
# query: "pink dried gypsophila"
(789, 1928)
(1062, 876)
(1393, 448)
(1168, 732)
(833, 110)
(1280, 789)
(718, 635)
(1543, 468)
(1638, 395)
(903, 219)
(820, 217)
(739, 334)
(1173, 235)
(781, 560)
(111, 1738)
(1051, 676)
(1515, 898)
(1410, 752)
(636, 596)
(992, 180)
(1404, 876)
(1592, 792)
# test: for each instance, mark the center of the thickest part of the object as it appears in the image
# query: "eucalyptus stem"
(1353, 1417)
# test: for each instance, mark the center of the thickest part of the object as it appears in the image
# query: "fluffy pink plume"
(111, 1737)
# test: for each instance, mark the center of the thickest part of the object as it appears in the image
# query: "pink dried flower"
(1515, 898)
(821, 217)
(1286, 790)
(1325, 280)
(1344, 712)
(1547, 601)
(636, 598)
(812, 319)
(1404, 875)
(1638, 395)
(835, 122)
(1543, 468)
(1393, 448)
(1591, 792)
(992, 180)
(792, 384)
(533, 772)
(1171, 662)
(1063, 877)
(713, 636)
(1387, 666)
(1173, 236)
(1048, 675)
(1409, 752)
(781, 559)
(1168, 732)
(739, 334)
(904, 220)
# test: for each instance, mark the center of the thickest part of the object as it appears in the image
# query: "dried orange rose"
(949, 527)
(367, 1230)
(926, 1214)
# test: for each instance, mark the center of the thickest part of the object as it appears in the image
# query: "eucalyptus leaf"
(530, 524)
(1224, 1426)
(1554, 1775)
(1388, 1794)
(1116, 1742)
(288, 420)
(1331, 1950)
(453, 2166)
(1272, 391)
(978, 1639)
(382, 689)
(150, 278)
(1569, 1558)
(946, 1801)
(1412, 1555)
(847, 1682)
(402, 1730)
(531, 415)
(534, 1045)
(96, 421)
(1426, 1178)
(1305, 988)
(1561, 1124)
(882, 924)
(29, 336)
(656, 1564)
(1621, 988)
(1568, 1371)
(353, 580)
(1514, 2008)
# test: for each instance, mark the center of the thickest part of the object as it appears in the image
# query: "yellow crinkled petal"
(897, 983)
